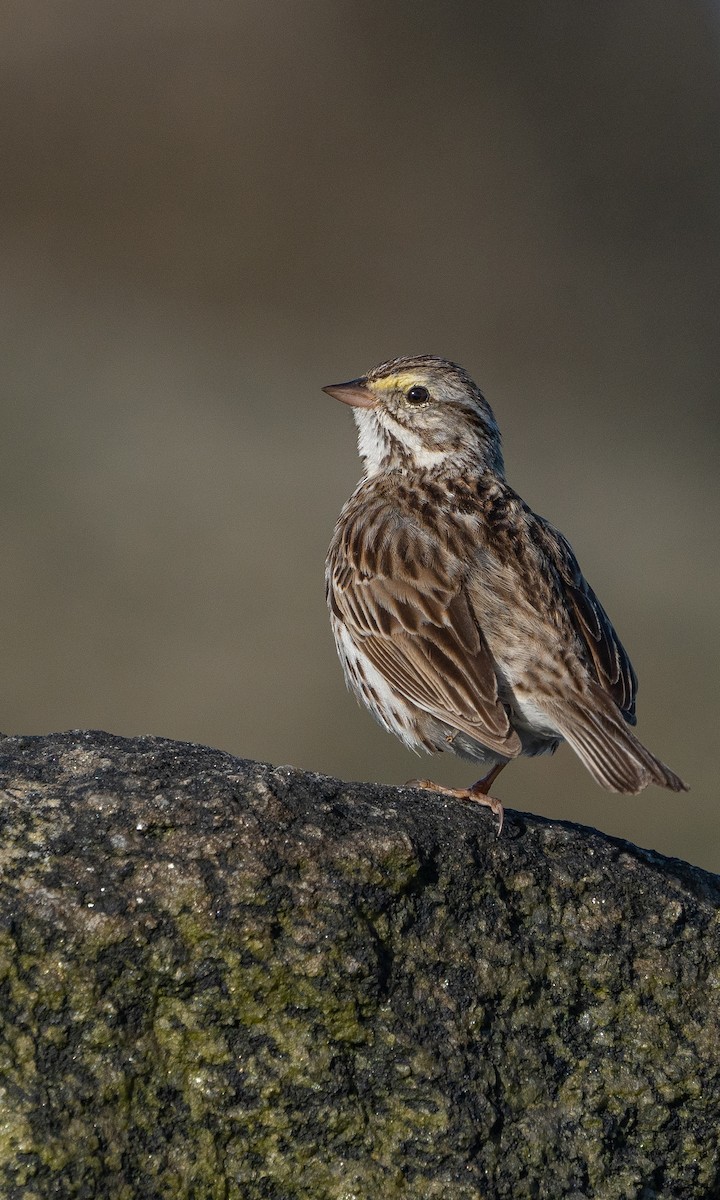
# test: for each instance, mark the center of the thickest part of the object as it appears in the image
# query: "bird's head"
(418, 414)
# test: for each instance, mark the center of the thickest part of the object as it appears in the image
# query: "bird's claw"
(471, 793)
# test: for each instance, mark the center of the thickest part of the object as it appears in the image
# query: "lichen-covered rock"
(221, 979)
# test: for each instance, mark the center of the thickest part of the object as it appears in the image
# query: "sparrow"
(461, 617)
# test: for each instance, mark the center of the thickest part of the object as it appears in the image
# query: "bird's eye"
(418, 394)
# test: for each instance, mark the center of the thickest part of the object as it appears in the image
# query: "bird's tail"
(598, 734)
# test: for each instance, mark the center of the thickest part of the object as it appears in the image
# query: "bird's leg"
(482, 786)
(477, 791)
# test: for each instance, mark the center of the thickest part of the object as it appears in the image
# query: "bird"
(461, 618)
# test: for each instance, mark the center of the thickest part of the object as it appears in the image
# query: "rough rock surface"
(221, 979)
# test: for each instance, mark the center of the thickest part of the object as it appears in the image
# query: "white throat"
(374, 442)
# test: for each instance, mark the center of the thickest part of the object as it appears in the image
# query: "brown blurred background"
(209, 211)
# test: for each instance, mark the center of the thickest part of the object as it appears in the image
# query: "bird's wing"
(414, 623)
(608, 657)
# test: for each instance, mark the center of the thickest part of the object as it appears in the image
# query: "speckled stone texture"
(225, 981)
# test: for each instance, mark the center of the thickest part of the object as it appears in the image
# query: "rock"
(222, 979)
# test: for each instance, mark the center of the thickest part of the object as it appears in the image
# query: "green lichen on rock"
(225, 980)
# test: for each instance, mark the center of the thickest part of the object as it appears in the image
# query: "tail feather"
(598, 734)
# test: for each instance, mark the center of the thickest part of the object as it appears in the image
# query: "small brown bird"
(461, 618)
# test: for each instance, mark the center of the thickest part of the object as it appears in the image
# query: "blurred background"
(209, 211)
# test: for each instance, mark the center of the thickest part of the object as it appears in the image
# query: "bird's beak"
(356, 392)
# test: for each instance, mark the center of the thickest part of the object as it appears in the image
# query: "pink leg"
(478, 792)
(483, 785)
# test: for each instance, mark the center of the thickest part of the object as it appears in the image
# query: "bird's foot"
(473, 793)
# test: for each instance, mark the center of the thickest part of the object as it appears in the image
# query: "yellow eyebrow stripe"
(396, 383)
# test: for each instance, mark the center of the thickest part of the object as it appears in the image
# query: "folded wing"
(411, 618)
(607, 655)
